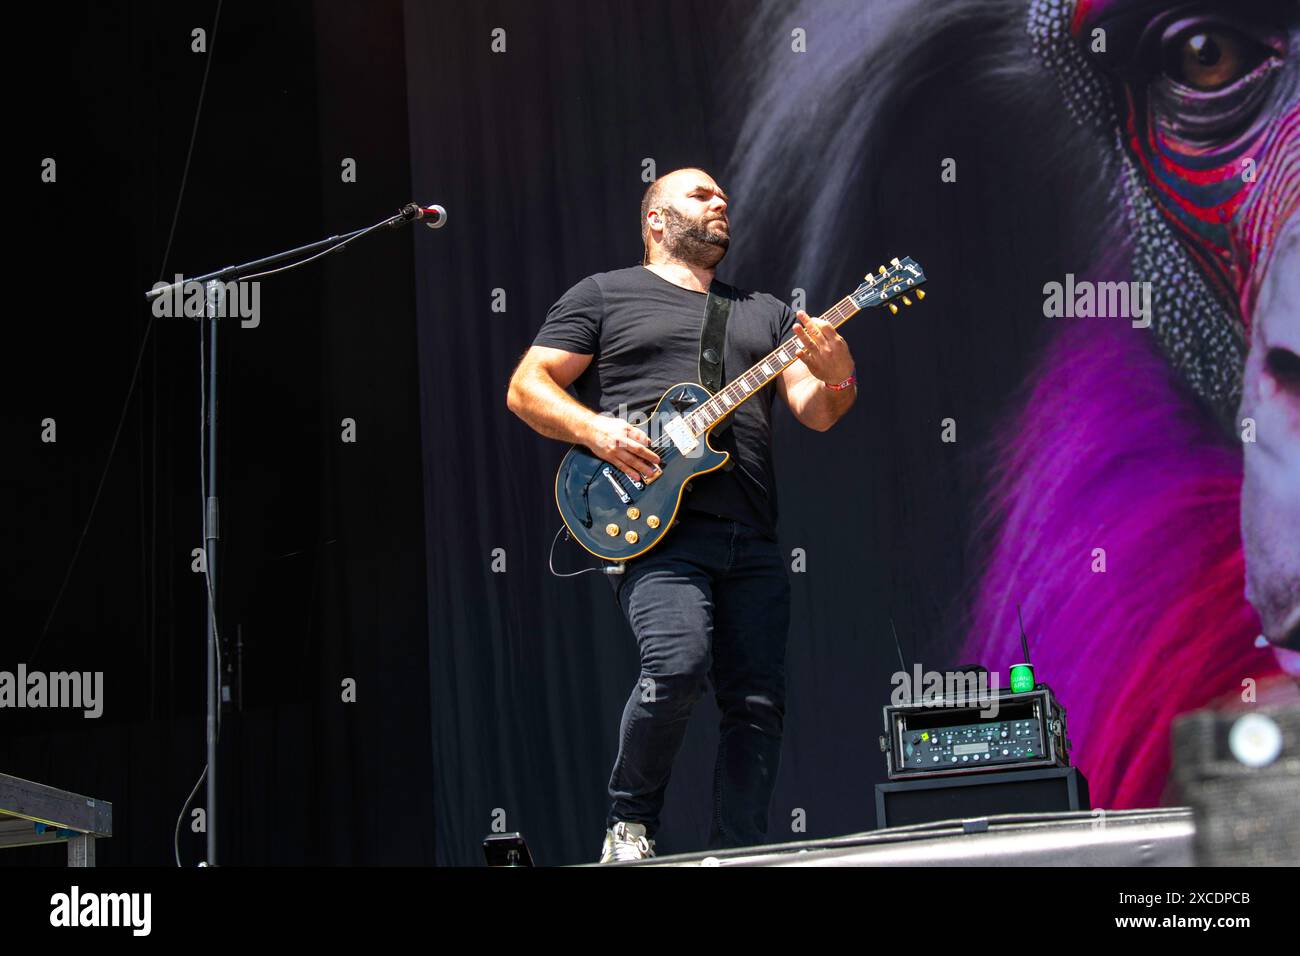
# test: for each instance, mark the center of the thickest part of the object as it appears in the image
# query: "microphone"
(434, 216)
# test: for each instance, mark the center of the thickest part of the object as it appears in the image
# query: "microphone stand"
(214, 284)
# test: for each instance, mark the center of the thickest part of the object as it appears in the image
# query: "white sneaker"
(626, 841)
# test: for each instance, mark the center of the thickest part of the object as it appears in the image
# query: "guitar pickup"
(681, 436)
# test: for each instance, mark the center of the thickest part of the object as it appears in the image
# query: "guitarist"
(712, 600)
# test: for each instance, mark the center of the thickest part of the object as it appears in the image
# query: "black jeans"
(712, 600)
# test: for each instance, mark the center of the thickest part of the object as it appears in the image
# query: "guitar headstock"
(894, 281)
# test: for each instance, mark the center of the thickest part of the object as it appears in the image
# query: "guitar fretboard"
(739, 389)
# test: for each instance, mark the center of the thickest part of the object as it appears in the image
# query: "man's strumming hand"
(622, 445)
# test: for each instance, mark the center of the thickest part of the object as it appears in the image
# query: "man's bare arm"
(537, 395)
(824, 357)
(812, 404)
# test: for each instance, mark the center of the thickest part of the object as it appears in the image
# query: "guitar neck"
(759, 375)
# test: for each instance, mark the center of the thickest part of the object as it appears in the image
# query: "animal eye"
(1207, 59)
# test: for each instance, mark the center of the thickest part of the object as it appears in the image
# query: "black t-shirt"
(644, 335)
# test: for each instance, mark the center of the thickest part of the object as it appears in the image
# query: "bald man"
(712, 600)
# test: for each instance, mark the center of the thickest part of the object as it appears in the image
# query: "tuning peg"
(895, 263)
(920, 293)
(882, 270)
(893, 308)
(906, 301)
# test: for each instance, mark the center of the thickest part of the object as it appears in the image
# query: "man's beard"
(692, 241)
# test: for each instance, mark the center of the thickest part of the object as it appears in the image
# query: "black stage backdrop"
(321, 564)
(534, 124)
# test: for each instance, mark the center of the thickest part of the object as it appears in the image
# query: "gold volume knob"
(611, 530)
(652, 521)
(634, 512)
(631, 537)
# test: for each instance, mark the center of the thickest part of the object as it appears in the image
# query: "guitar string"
(715, 413)
(777, 356)
(847, 302)
(780, 357)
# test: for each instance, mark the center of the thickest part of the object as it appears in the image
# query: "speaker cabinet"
(1044, 790)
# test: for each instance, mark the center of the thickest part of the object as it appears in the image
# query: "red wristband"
(851, 380)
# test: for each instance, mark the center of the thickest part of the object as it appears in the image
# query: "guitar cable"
(612, 568)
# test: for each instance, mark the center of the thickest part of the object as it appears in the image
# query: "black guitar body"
(615, 518)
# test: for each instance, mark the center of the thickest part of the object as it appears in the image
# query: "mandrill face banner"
(1202, 98)
(1270, 493)
(1206, 102)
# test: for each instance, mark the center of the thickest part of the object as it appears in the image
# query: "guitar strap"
(713, 338)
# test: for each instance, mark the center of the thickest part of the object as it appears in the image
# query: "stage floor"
(1156, 837)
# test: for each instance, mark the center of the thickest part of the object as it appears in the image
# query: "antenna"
(1024, 641)
(898, 644)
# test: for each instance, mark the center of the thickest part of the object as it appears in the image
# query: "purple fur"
(1108, 451)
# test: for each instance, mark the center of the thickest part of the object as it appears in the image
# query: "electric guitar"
(617, 518)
